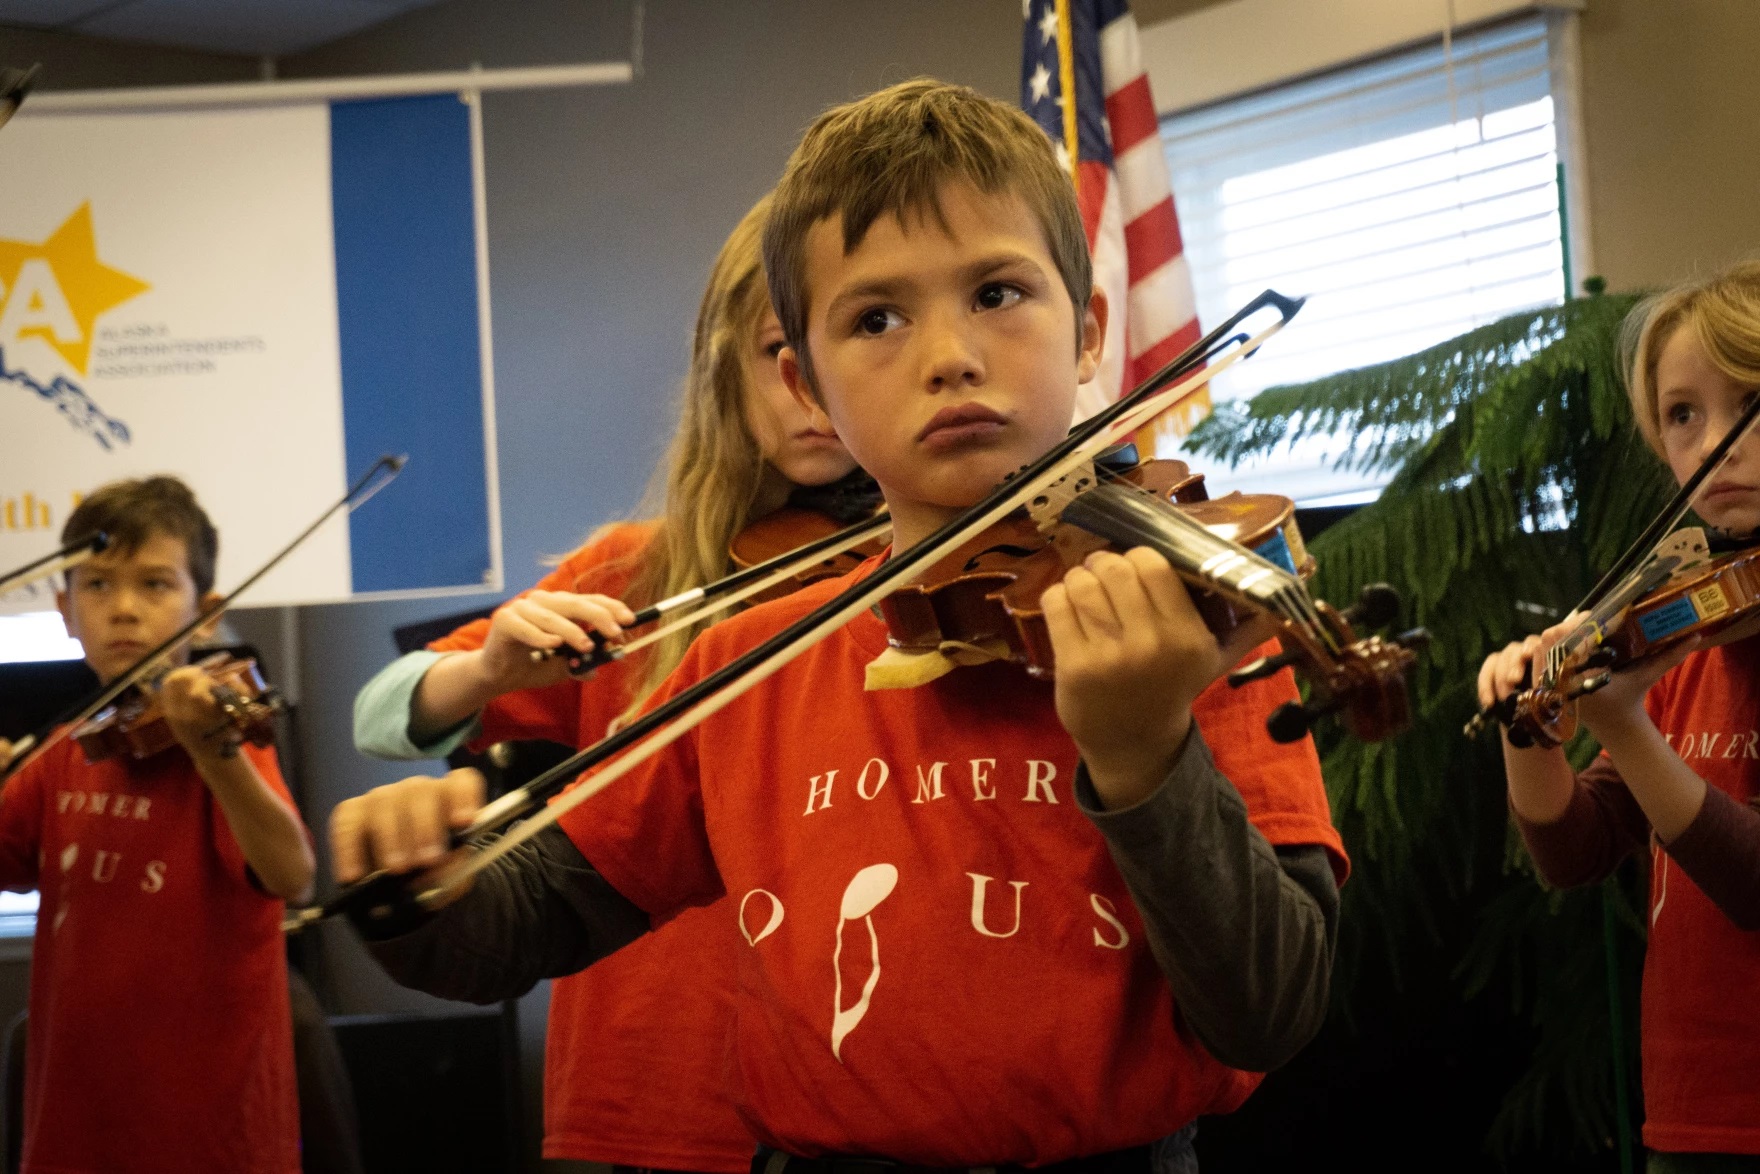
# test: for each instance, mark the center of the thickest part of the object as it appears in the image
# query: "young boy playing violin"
(988, 920)
(160, 1037)
(1678, 770)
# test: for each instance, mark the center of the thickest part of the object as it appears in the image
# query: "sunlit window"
(18, 914)
(1410, 199)
(36, 635)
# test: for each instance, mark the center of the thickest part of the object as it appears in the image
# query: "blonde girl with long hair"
(1679, 773)
(633, 1072)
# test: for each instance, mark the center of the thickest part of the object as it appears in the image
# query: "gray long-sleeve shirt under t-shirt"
(1243, 932)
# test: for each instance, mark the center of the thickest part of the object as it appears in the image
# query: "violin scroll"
(1363, 681)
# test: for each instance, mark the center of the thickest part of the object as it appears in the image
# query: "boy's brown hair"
(130, 512)
(891, 153)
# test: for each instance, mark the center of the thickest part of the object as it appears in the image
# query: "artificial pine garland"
(1517, 476)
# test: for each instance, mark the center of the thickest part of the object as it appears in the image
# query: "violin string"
(1288, 597)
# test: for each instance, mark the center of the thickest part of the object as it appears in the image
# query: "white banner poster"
(246, 298)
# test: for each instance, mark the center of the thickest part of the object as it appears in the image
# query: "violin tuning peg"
(1377, 606)
(1590, 684)
(1258, 670)
(1291, 721)
(1413, 638)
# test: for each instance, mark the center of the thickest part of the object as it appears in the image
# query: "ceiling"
(255, 28)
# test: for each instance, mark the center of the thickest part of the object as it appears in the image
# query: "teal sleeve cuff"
(381, 713)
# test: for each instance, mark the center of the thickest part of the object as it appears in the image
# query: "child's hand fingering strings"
(1132, 656)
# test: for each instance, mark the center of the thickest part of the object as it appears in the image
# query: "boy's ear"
(207, 630)
(65, 607)
(798, 386)
(1093, 336)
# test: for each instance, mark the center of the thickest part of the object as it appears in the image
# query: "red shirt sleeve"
(646, 831)
(1279, 781)
(1602, 825)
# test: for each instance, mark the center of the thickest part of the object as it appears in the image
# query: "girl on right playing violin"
(1679, 768)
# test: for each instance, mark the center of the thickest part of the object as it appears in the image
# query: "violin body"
(135, 725)
(989, 589)
(790, 528)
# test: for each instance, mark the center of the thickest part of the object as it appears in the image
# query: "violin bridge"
(1046, 507)
(1689, 545)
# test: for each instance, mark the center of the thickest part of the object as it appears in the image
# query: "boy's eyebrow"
(890, 287)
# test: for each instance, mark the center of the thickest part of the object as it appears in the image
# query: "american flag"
(1113, 135)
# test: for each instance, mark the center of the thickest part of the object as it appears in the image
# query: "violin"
(821, 532)
(1692, 594)
(986, 592)
(812, 514)
(1663, 589)
(151, 663)
(135, 724)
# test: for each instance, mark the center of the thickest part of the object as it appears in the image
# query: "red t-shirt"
(635, 1064)
(160, 1037)
(938, 961)
(1701, 1021)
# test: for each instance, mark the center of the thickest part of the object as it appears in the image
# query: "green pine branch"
(1516, 474)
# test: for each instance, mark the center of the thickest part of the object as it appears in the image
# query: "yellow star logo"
(56, 290)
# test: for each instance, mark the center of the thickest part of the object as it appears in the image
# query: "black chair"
(12, 1092)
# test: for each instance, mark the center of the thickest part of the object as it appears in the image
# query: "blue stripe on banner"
(406, 300)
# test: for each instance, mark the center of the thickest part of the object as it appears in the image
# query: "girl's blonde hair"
(713, 467)
(1722, 311)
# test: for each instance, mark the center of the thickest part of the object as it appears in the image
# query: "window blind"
(1410, 198)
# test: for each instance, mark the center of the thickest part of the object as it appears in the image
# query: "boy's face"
(1697, 405)
(122, 603)
(945, 358)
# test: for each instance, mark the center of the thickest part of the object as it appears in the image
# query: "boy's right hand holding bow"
(403, 827)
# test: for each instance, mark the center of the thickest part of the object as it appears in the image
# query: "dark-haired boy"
(988, 920)
(160, 1037)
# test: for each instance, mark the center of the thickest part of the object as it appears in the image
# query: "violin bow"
(1671, 514)
(1636, 572)
(65, 559)
(33, 746)
(386, 895)
(720, 595)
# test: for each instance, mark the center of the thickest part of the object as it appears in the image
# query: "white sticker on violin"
(864, 892)
(1710, 601)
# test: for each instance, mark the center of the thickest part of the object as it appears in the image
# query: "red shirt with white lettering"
(160, 1038)
(635, 1057)
(938, 961)
(1701, 1019)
